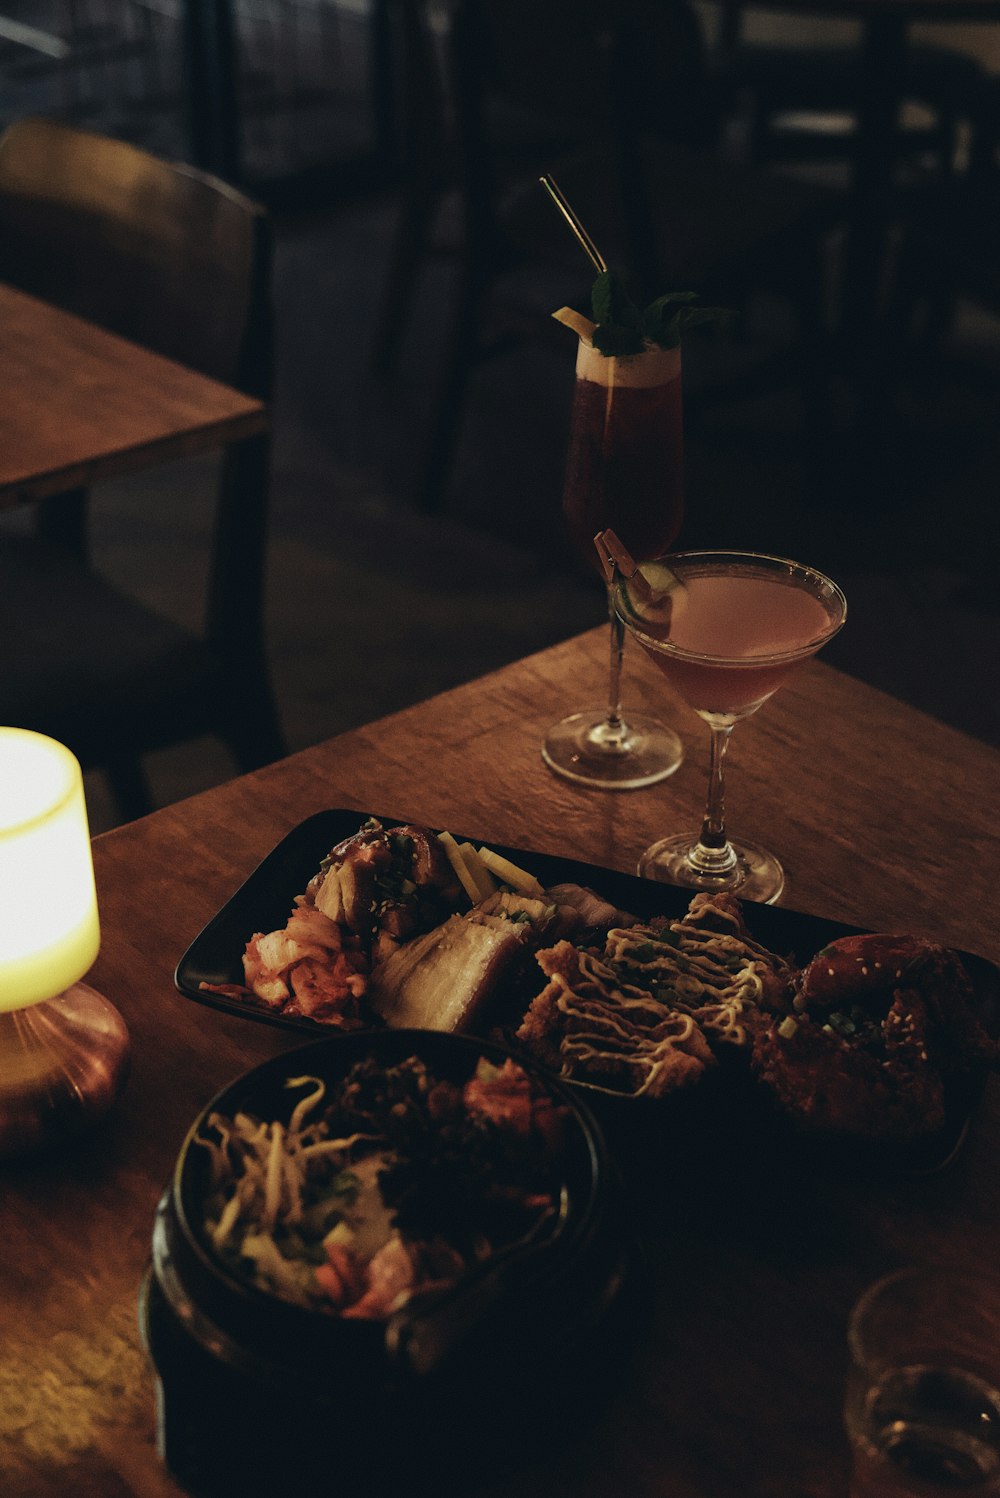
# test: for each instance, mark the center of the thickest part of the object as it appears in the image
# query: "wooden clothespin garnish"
(613, 556)
(651, 583)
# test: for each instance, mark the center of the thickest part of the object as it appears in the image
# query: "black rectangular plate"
(264, 903)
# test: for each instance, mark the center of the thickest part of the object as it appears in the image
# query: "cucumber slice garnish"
(651, 594)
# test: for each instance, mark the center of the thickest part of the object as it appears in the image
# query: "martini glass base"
(756, 875)
(584, 748)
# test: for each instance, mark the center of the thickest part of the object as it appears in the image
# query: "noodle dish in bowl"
(371, 1230)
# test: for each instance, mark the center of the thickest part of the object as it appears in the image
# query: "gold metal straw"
(596, 258)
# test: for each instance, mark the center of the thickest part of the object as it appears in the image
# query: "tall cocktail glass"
(624, 470)
(726, 629)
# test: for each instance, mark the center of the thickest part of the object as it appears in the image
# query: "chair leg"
(449, 406)
(130, 787)
(62, 521)
(922, 306)
(253, 732)
(813, 357)
(255, 745)
(759, 137)
(409, 250)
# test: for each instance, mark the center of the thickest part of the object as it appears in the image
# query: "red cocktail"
(625, 466)
(624, 471)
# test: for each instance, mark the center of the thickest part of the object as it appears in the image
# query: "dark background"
(372, 603)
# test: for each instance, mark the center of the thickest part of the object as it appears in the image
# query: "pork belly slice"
(590, 908)
(444, 979)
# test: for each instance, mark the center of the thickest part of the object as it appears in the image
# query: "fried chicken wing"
(881, 1027)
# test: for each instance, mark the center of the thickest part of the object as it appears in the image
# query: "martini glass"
(623, 471)
(726, 628)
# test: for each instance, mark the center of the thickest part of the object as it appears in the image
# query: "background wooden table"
(81, 404)
(883, 817)
(885, 27)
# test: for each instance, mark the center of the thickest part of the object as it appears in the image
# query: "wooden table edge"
(173, 446)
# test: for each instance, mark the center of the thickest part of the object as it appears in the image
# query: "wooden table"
(81, 404)
(883, 818)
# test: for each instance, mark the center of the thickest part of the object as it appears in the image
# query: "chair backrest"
(177, 261)
(641, 63)
(581, 75)
(161, 253)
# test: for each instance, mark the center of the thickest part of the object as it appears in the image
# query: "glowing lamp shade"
(63, 1048)
(49, 931)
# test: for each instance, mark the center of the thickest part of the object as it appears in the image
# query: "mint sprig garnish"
(623, 328)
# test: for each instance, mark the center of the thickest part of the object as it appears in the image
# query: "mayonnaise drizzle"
(713, 975)
(656, 997)
(615, 1025)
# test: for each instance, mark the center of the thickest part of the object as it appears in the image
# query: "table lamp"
(64, 1048)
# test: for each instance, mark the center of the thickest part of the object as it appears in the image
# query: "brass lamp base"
(62, 1066)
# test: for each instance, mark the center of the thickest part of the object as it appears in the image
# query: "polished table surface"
(883, 817)
(80, 404)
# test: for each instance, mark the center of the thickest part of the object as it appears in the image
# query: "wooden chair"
(179, 262)
(616, 102)
(947, 260)
(950, 244)
(800, 100)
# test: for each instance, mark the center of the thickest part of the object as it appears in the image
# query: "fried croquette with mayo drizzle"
(648, 1013)
(588, 1025)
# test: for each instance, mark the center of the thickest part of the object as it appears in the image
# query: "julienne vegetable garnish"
(391, 1183)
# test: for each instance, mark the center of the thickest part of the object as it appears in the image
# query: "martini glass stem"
(713, 854)
(615, 726)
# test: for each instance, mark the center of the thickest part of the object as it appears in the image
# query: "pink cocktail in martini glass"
(726, 629)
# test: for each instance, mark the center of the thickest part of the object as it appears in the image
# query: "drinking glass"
(623, 471)
(726, 632)
(923, 1394)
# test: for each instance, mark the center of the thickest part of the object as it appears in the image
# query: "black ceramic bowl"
(260, 1396)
